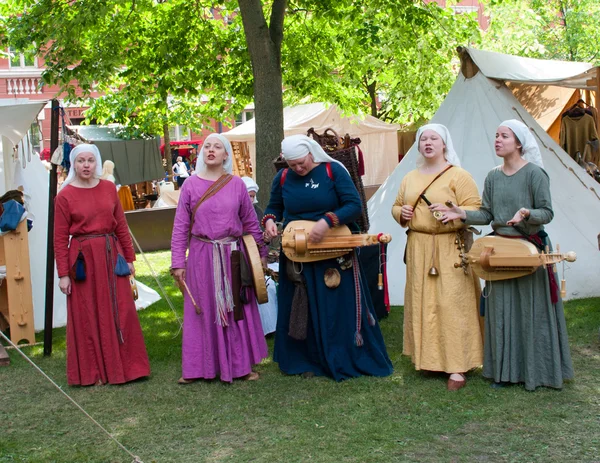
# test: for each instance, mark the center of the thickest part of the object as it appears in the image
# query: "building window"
(36, 136)
(458, 9)
(244, 116)
(26, 59)
(179, 132)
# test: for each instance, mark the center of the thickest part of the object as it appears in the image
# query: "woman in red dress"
(104, 337)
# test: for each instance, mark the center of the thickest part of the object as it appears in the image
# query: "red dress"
(104, 336)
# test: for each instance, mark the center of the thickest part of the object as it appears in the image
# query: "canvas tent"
(379, 139)
(135, 160)
(20, 166)
(477, 103)
(28, 171)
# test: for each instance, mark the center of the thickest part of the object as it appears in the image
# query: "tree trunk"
(372, 89)
(264, 46)
(167, 152)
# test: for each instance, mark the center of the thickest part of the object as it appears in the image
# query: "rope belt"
(112, 278)
(223, 291)
(440, 232)
(433, 235)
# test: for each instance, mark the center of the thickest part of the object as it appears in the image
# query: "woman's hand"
(65, 285)
(178, 275)
(519, 216)
(318, 231)
(270, 229)
(406, 213)
(131, 268)
(448, 213)
(264, 262)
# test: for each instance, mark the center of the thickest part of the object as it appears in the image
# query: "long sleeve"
(62, 224)
(275, 206)
(122, 230)
(542, 212)
(250, 222)
(397, 207)
(350, 204)
(181, 228)
(484, 215)
(466, 193)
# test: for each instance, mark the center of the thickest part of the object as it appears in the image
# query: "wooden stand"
(16, 299)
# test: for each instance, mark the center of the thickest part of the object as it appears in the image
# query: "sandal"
(454, 385)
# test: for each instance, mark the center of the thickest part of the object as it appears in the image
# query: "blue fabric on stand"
(13, 211)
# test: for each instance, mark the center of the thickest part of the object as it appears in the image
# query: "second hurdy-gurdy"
(296, 245)
(495, 258)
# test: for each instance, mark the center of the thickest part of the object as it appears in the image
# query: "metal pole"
(49, 314)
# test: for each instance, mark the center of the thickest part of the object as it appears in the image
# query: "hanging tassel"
(358, 339)
(370, 318)
(121, 268)
(79, 267)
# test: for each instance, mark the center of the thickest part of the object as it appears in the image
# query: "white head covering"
(297, 146)
(449, 154)
(81, 149)
(251, 186)
(531, 150)
(227, 165)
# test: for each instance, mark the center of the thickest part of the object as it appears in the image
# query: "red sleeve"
(62, 224)
(122, 229)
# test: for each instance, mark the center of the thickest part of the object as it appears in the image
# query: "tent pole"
(49, 314)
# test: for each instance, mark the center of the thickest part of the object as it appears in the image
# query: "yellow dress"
(441, 315)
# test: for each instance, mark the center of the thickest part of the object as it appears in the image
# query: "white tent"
(379, 139)
(27, 170)
(20, 167)
(472, 111)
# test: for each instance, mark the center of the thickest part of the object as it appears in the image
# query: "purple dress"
(212, 347)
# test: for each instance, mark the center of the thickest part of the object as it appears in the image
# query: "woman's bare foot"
(252, 376)
(182, 380)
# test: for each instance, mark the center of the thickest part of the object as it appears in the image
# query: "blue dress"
(330, 348)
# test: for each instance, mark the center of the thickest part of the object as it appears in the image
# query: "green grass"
(405, 417)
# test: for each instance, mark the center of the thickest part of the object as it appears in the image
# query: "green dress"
(525, 333)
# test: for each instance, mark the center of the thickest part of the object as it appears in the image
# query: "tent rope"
(162, 289)
(136, 459)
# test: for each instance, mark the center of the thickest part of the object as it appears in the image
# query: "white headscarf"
(297, 146)
(227, 165)
(530, 149)
(81, 149)
(449, 154)
(251, 186)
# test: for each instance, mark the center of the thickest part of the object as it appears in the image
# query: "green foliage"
(183, 62)
(155, 63)
(394, 59)
(548, 29)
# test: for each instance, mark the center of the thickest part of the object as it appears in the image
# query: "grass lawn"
(404, 417)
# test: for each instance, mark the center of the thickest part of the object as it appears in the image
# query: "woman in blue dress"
(322, 329)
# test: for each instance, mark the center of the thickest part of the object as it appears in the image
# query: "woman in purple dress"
(213, 213)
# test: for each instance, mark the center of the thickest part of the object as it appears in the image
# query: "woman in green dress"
(525, 331)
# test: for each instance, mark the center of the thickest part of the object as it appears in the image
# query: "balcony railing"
(23, 85)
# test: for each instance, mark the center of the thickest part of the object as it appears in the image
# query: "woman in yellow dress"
(441, 317)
